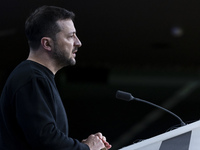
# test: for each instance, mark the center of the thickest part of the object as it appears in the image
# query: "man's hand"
(103, 138)
(97, 141)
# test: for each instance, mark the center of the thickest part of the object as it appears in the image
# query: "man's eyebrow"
(72, 33)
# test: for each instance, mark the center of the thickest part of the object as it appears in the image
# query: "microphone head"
(124, 95)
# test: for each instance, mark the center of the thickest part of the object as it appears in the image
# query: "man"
(32, 115)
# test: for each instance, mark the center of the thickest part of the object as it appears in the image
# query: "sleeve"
(35, 115)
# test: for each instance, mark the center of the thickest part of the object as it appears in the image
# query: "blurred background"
(148, 48)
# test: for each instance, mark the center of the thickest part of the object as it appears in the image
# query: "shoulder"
(28, 72)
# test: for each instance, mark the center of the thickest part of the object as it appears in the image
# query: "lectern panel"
(183, 138)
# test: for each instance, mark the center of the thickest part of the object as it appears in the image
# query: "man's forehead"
(66, 24)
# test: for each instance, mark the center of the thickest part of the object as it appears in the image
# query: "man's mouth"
(74, 52)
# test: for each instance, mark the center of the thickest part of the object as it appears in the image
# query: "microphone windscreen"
(124, 95)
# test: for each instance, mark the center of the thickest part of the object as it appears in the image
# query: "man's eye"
(71, 36)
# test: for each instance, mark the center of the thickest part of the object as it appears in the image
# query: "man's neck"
(43, 60)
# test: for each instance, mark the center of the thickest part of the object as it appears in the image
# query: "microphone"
(128, 97)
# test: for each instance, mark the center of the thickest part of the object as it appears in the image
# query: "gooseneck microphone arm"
(128, 97)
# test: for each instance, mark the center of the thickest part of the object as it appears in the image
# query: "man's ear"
(47, 43)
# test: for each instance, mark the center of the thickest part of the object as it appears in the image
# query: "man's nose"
(78, 42)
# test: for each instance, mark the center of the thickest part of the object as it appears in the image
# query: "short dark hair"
(42, 22)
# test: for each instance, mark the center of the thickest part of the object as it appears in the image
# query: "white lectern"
(183, 138)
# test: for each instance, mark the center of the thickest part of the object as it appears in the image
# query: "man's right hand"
(97, 142)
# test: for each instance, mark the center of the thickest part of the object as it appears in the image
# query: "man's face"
(66, 44)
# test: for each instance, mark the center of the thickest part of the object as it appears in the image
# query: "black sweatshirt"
(32, 115)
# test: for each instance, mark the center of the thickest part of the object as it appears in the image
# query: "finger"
(83, 140)
(108, 146)
(99, 134)
(103, 138)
